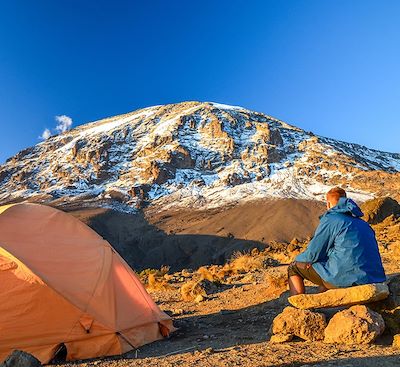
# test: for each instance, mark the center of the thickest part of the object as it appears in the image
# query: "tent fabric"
(62, 283)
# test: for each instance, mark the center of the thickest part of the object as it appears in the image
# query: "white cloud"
(64, 123)
(45, 134)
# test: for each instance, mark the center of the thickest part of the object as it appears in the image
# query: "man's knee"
(292, 270)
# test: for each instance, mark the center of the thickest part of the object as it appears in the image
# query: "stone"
(356, 325)
(378, 209)
(198, 291)
(199, 298)
(191, 290)
(305, 324)
(360, 294)
(396, 341)
(281, 338)
(19, 358)
(177, 312)
(389, 308)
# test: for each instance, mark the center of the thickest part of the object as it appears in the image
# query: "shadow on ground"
(190, 238)
(144, 245)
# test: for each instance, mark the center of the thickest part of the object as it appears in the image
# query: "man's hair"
(335, 194)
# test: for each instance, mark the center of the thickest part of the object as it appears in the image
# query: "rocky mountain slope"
(192, 155)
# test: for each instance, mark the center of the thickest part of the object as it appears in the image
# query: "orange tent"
(61, 283)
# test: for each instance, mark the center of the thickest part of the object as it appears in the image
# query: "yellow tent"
(61, 283)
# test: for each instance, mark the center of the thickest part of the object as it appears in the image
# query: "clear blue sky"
(332, 67)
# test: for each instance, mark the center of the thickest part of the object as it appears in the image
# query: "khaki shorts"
(301, 269)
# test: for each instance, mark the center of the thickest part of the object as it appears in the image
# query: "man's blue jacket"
(344, 251)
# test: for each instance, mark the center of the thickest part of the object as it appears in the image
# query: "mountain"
(192, 155)
(192, 183)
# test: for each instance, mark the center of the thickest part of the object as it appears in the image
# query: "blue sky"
(331, 67)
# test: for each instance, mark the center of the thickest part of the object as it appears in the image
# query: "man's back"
(344, 251)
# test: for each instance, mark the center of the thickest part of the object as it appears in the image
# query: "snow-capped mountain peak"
(193, 154)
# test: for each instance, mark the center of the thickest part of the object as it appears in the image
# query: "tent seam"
(140, 290)
(84, 311)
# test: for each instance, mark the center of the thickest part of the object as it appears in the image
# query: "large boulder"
(356, 325)
(341, 297)
(20, 359)
(376, 210)
(389, 308)
(304, 324)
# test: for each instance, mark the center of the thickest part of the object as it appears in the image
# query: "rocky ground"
(228, 311)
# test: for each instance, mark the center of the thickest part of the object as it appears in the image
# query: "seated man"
(343, 251)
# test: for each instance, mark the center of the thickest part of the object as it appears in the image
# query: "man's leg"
(296, 285)
(298, 271)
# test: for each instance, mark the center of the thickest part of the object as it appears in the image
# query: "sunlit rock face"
(193, 154)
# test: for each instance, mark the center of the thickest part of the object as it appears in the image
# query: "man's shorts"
(301, 269)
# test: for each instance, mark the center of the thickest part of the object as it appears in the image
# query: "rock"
(234, 179)
(389, 308)
(376, 210)
(191, 290)
(180, 158)
(199, 298)
(305, 324)
(356, 325)
(276, 138)
(19, 358)
(177, 312)
(186, 273)
(396, 341)
(341, 297)
(197, 291)
(281, 338)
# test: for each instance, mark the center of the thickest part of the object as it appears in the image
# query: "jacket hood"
(347, 206)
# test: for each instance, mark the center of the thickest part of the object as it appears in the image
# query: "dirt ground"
(231, 328)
